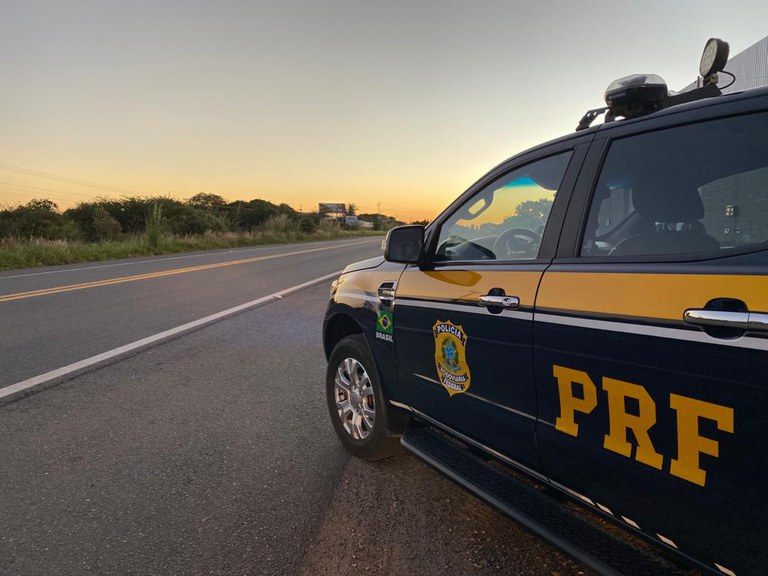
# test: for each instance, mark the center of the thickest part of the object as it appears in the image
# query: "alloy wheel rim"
(355, 403)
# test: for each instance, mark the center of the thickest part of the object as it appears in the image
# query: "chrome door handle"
(722, 318)
(758, 321)
(387, 293)
(499, 301)
(739, 320)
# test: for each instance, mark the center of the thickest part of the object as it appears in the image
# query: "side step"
(541, 513)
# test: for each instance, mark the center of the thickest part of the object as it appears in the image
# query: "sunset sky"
(403, 103)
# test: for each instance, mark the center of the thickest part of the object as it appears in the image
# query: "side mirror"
(404, 244)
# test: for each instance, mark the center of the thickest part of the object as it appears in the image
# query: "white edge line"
(159, 337)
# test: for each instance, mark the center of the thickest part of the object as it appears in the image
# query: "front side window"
(506, 219)
(697, 190)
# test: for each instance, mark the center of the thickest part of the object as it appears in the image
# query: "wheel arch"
(337, 327)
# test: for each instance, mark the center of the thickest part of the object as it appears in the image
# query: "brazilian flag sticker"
(384, 323)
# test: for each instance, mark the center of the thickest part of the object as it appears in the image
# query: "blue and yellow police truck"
(587, 323)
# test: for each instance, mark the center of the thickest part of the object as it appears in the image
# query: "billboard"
(328, 207)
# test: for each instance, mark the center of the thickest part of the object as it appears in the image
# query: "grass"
(27, 253)
(153, 231)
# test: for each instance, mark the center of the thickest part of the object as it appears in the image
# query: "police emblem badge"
(450, 356)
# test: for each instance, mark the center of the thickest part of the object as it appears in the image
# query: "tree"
(42, 206)
(288, 211)
(208, 202)
(247, 215)
(38, 218)
(351, 209)
(531, 215)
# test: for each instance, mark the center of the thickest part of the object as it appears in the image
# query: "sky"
(397, 104)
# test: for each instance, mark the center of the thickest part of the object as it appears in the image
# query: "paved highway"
(211, 453)
(55, 316)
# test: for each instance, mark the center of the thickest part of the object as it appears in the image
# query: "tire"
(356, 401)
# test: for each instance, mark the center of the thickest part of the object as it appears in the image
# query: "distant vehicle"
(592, 313)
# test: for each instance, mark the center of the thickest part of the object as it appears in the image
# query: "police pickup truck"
(587, 323)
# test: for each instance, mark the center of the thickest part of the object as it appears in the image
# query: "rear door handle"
(499, 301)
(755, 321)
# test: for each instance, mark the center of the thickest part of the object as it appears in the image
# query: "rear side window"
(736, 207)
(698, 189)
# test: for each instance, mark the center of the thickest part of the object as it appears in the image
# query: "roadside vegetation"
(39, 234)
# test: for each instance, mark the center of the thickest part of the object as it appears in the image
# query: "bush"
(279, 224)
(38, 234)
(307, 225)
(105, 227)
(36, 219)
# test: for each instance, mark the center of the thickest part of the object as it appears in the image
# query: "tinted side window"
(506, 219)
(697, 189)
(736, 208)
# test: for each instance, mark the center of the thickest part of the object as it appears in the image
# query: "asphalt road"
(124, 301)
(212, 453)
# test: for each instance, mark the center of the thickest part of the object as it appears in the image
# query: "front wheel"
(356, 402)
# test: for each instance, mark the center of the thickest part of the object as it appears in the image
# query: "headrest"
(665, 202)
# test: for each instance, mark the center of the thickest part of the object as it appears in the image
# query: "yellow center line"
(148, 276)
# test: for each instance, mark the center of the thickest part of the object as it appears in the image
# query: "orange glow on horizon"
(375, 104)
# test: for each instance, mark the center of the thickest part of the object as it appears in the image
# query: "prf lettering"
(579, 394)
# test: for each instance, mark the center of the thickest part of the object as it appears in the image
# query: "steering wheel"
(516, 243)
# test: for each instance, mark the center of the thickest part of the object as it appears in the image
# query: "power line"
(44, 189)
(21, 196)
(12, 193)
(67, 179)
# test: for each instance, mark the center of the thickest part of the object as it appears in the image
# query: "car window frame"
(578, 147)
(574, 226)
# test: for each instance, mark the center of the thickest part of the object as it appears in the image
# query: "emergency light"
(635, 95)
(640, 94)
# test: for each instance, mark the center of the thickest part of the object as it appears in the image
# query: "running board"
(534, 508)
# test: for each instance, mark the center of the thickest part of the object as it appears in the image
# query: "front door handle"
(499, 301)
(387, 294)
(755, 321)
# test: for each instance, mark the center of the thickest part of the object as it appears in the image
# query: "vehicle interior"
(652, 199)
(506, 219)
